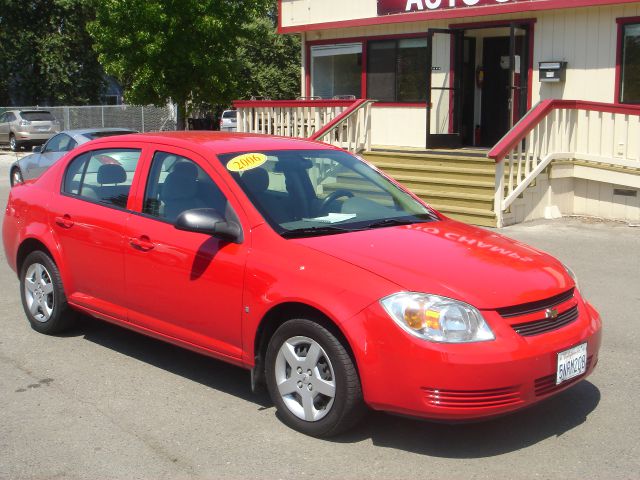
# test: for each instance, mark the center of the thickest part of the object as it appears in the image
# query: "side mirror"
(209, 222)
(37, 149)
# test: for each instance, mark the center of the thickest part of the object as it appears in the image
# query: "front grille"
(538, 327)
(547, 385)
(532, 307)
(497, 397)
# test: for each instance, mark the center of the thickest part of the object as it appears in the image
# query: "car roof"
(221, 142)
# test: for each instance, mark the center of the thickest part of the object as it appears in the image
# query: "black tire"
(14, 144)
(61, 317)
(16, 176)
(347, 406)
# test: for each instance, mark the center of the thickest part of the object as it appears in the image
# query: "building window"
(336, 70)
(630, 64)
(397, 70)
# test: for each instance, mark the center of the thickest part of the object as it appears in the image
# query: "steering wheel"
(332, 197)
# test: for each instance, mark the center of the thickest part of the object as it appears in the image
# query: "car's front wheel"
(312, 379)
(16, 177)
(43, 298)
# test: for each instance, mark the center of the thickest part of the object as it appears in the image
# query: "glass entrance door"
(444, 105)
(518, 71)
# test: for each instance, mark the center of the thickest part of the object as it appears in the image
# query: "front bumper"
(458, 382)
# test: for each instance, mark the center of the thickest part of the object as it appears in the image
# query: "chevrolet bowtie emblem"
(551, 313)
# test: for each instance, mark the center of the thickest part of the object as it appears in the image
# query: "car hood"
(452, 259)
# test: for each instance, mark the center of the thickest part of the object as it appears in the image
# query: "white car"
(229, 121)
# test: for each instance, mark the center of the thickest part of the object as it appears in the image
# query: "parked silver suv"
(22, 128)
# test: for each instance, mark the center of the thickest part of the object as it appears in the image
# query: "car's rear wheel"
(312, 379)
(43, 298)
(16, 176)
(13, 143)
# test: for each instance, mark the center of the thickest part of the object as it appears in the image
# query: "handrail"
(351, 129)
(290, 103)
(343, 116)
(562, 130)
(541, 110)
(340, 122)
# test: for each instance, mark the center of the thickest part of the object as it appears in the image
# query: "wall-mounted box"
(552, 72)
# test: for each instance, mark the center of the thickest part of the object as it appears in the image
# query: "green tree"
(183, 50)
(45, 53)
(270, 61)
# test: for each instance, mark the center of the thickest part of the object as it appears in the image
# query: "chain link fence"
(134, 117)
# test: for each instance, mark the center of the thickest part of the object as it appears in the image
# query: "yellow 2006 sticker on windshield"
(246, 162)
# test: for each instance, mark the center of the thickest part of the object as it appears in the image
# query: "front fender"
(337, 289)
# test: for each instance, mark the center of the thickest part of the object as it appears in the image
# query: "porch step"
(459, 183)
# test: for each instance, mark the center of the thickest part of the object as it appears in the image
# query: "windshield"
(320, 192)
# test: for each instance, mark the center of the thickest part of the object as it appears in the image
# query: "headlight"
(572, 275)
(436, 318)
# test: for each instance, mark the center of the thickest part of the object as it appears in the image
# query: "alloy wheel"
(39, 292)
(305, 378)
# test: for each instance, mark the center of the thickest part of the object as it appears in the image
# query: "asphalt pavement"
(102, 402)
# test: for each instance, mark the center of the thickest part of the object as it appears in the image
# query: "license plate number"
(571, 363)
(42, 129)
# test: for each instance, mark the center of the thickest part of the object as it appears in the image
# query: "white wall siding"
(401, 127)
(569, 195)
(304, 12)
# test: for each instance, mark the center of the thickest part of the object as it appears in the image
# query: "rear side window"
(37, 116)
(102, 176)
(60, 143)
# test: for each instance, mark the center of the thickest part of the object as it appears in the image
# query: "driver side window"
(177, 184)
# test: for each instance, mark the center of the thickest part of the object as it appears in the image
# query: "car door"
(184, 285)
(88, 219)
(51, 152)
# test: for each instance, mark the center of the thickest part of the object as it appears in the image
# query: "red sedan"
(335, 286)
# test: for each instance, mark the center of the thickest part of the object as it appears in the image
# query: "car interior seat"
(110, 177)
(180, 191)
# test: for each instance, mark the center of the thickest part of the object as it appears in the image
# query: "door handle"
(141, 243)
(65, 221)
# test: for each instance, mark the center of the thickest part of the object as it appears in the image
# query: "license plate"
(571, 363)
(43, 129)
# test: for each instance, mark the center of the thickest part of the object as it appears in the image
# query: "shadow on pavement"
(551, 418)
(199, 368)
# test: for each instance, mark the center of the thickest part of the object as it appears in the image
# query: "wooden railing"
(351, 130)
(344, 123)
(567, 130)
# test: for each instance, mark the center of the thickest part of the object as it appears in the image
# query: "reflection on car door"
(88, 220)
(184, 285)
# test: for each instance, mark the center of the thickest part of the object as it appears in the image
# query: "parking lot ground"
(105, 403)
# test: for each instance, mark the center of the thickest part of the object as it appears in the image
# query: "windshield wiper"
(313, 231)
(392, 222)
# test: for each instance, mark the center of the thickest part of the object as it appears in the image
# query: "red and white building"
(467, 73)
